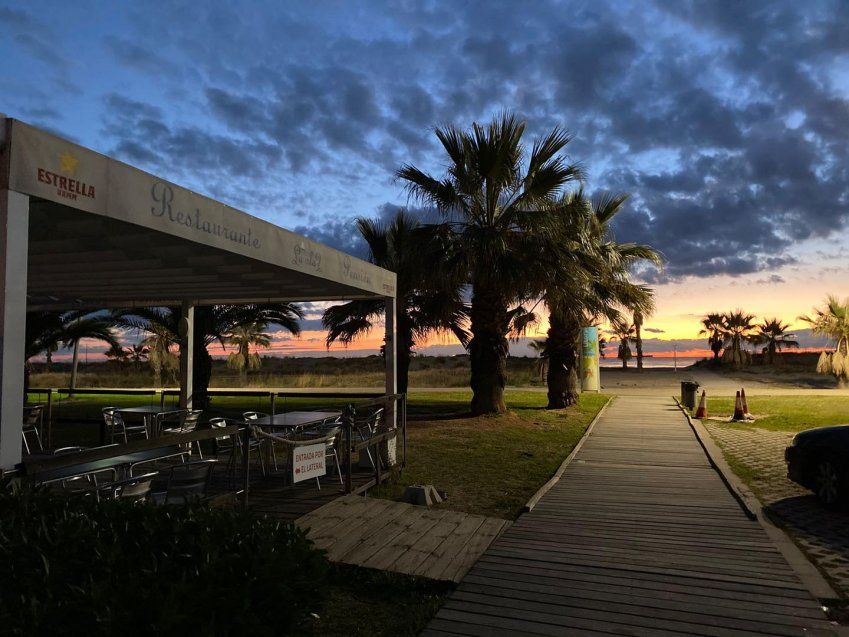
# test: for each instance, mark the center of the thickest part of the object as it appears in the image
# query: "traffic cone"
(701, 412)
(739, 414)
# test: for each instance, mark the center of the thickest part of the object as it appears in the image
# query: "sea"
(652, 363)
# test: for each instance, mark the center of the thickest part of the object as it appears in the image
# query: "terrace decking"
(393, 536)
(639, 537)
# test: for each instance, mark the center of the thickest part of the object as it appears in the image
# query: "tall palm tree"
(48, 330)
(713, 327)
(496, 198)
(243, 337)
(428, 293)
(832, 321)
(117, 354)
(624, 333)
(638, 337)
(586, 275)
(772, 333)
(160, 343)
(737, 328)
(540, 347)
(211, 323)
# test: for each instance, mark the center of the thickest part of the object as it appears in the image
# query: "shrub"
(76, 566)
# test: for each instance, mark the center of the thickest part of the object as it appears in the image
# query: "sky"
(728, 122)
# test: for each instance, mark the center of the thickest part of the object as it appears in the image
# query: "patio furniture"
(181, 421)
(113, 417)
(364, 428)
(256, 417)
(329, 431)
(136, 488)
(183, 482)
(293, 440)
(32, 425)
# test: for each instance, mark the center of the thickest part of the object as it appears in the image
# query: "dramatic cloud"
(727, 121)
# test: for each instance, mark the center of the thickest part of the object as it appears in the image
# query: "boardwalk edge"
(810, 576)
(535, 498)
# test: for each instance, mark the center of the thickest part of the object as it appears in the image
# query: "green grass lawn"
(786, 413)
(489, 465)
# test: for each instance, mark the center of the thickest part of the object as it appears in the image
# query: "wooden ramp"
(639, 537)
(393, 536)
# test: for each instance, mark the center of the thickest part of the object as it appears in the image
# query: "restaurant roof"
(102, 233)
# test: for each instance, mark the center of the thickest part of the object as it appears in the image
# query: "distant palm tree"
(624, 333)
(243, 337)
(772, 333)
(427, 294)
(160, 343)
(539, 346)
(211, 323)
(638, 337)
(117, 354)
(496, 199)
(832, 321)
(737, 329)
(713, 329)
(48, 330)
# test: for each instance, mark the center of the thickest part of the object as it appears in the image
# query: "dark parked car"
(818, 459)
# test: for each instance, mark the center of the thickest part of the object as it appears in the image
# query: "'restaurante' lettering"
(163, 197)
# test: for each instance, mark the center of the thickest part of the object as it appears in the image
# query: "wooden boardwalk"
(639, 537)
(393, 536)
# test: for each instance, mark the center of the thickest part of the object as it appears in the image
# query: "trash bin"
(688, 393)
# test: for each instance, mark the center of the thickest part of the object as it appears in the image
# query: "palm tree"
(428, 295)
(496, 198)
(587, 277)
(638, 337)
(162, 359)
(117, 354)
(833, 323)
(242, 338)
(137, 354)
(737, 328)
(624, 333)
(773, 334)
(48, 330)
(211, 323)
(540, 347)
(713, 329)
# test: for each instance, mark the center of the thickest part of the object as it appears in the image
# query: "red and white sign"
(309, 462)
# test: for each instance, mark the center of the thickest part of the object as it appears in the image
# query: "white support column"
(187, 347)
(391, 356)
(14, 242)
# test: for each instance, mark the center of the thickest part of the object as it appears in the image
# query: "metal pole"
(348, 419)
(246, 464)
(273, 402)
(49, 418)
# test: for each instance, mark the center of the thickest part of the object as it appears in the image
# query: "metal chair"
(365, 427)
(116, 425)
(183, 482)
(31, 425)
(249, 416)
(330, 430)
(184, 421)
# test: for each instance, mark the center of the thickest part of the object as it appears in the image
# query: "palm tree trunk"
(201, 375)
(74, 365)
(562, 348)
(639, 343)
(488, 351)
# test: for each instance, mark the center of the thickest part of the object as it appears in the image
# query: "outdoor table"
(294, 419)
(147, 412)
